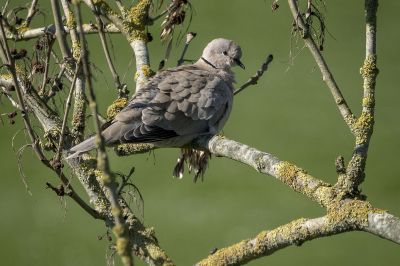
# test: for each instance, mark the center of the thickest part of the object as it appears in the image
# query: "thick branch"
(132, 24)
(51, 29)
(327, 76)
(266, 163)
(120, 229)
(384, 225)
(267, 242)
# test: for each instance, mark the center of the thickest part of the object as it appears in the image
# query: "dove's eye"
(224, 53)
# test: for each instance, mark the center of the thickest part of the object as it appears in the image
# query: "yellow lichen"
(137, 74)
(147, 72)
(116, 107)
(6, 76)
(367, 101)
(100, 176)
(121, 245)
(363, 128)
(287, 171)
(133, 148)
(299, 180)
(76, 50)
(350, 212)
(118, 230)
(369, 69)
(21, 29)
(71, 23)
(50, 139)
(350, 119)
(115, 211)
(135, 21)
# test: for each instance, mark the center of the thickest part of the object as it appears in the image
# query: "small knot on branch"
(339, 164)
(59, 190)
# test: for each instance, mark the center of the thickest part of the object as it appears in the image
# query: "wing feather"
(176, 102)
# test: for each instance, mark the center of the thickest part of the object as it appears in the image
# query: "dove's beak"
(239, 63)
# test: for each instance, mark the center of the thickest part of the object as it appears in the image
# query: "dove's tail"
(82, 147)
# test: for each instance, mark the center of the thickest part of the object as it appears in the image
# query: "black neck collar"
(208, 62)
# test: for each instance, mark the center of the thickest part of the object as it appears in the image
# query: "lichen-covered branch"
(79, 110)
(57, 157)
(290, 174)
(132, 24)
(107, 179)
(342, 216)
(24, 97)
(327, 76)
(364, 125)
(267, 242)
(51, 29)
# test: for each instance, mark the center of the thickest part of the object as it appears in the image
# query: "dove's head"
(222, 54)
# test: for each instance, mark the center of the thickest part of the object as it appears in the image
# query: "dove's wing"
(185, 101)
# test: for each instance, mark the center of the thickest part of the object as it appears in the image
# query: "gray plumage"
(178, 104)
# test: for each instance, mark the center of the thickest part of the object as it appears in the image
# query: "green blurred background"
(290, 113)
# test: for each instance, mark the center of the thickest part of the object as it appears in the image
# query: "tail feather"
(82, 147)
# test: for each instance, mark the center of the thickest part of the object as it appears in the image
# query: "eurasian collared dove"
(179, 104)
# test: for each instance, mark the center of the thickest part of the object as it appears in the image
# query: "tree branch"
(51, 29)
(254, 79)
(384, 225)
(364, 126)
(132, 24)
(117, 82)
(31, 12)
(267, 242)
(327, 76)
(79, 110)
(293, 176)
(120, 229)
(60, 33)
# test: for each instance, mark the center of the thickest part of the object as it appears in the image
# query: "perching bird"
(179, 104)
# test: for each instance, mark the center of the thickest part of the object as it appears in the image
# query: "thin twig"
(3, 12)
(35, 142)
(153, 19)
(57, 157)
(106, 51)
(50, 41)
(9, 97)
(60, 33)
(124, 246)
(254, 79)
(327, 76)
(31, 12)
(120, 6)
(189, 37)
(11, 67)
